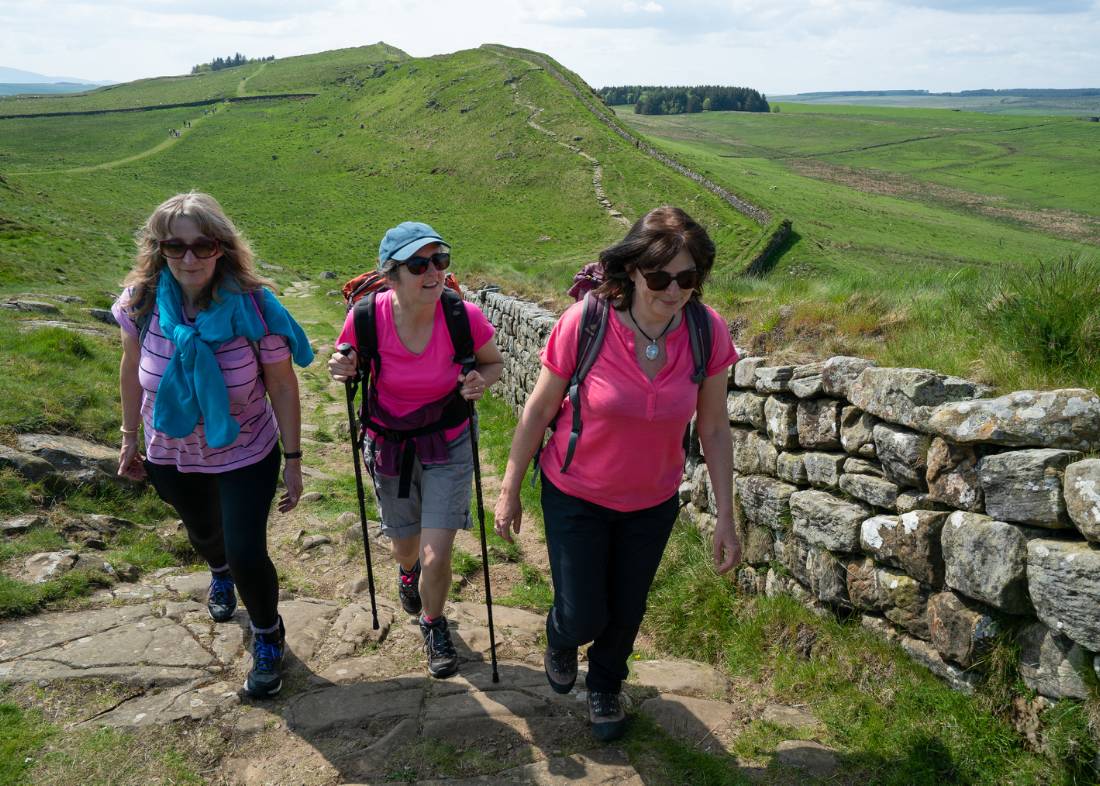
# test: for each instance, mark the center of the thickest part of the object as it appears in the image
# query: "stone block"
(1051, 664)
(908, 395)
(874, 491)
(1025, 486)
(961, 630)
(899, 597)
(910, 500)
(826, 521)
(790, 467)
(751, 581)
(818, 423)
(823, 470)
(1081, 488)
(1064, 580)
(903, 454)
(858, 466)
(753, 453)
(806, 380)
(827, 576)
(925, 654)
(700, 483)
(952, 475)
(838, 374)
(1068, 418)
(746, 408)
(910, 542)
(764, 501)
(987, 560)
(781, 419)
(773, 379)
(857, 432)
(744, 372)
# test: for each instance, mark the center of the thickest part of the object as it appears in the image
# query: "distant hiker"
(609, 491)
(206, 371)
(417, 447)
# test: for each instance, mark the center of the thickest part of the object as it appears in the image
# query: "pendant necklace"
(651, 350)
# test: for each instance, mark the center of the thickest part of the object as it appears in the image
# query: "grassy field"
(910, 226)
(1008, 105)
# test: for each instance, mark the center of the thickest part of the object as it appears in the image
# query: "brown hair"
(651, 243)
(235, 268)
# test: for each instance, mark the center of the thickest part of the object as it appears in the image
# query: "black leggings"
(226, 518)
(602, 562)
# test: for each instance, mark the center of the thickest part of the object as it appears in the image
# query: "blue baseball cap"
(405, 239)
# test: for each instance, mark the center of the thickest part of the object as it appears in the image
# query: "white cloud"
(774, 45)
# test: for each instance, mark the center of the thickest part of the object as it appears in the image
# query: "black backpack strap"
(458, 325)
(366, 337)
(700, 338)
(590, 336)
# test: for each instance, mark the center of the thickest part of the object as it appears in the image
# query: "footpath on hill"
(357, 704)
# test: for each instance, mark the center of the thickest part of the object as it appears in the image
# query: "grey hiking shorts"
(439, 494)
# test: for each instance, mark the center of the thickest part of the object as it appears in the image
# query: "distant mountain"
(17, 76)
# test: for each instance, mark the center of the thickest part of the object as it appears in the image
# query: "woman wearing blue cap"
(427, 353)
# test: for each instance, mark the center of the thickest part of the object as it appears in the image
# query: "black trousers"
(226, 518)
(603, 562)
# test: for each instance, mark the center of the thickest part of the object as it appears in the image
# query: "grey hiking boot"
(408, 588)
(561, 668)
(605, 711)
(442, 656)
(267, 654)
(221, 601)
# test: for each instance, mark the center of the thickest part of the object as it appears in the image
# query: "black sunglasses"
(203, 248)
(418, 266)
(658, 280)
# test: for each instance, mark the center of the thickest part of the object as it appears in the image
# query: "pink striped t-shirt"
(630, 455)
(248, 402)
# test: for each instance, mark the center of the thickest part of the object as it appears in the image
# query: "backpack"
(590, 335)
(362, 296)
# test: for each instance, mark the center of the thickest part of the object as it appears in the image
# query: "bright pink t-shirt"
(247, 399)
(630, 454)
(409, 380)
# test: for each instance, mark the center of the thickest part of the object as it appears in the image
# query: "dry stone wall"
(938, 513)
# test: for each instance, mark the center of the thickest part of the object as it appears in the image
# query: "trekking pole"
(484, 545)
(351, 386)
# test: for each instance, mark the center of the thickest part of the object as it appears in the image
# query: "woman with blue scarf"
(206, 373)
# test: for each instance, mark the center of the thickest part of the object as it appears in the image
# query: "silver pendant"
(652, 351)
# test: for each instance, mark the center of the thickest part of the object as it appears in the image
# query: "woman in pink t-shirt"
(422, 483)
(609, 512)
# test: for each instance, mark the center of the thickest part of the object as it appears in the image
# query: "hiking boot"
(408, 588)
(442, 657)
(561, 668)
(605, 711)
(221, 600)
(267, 653)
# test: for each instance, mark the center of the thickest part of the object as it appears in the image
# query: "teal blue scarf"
(193, 385)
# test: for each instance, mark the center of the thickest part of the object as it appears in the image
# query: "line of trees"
(654, 100)
(218, 63)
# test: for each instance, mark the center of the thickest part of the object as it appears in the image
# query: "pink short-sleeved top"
(248, 402)
(630, 454)
(412, 380)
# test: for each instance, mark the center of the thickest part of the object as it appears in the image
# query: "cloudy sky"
(778, 46)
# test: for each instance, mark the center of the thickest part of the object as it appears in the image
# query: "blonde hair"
(235, 268)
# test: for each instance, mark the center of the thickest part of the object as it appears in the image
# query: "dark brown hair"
(654, 240)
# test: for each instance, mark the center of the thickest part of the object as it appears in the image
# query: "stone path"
(357, 705)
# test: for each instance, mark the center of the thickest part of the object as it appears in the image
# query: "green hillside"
(913, 230)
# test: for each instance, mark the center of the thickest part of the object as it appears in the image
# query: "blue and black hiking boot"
(605, 712)
(221, 601)
(408, 588)
(442, 657)
(267, 653)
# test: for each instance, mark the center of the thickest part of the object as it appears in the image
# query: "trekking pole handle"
(345, 349)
